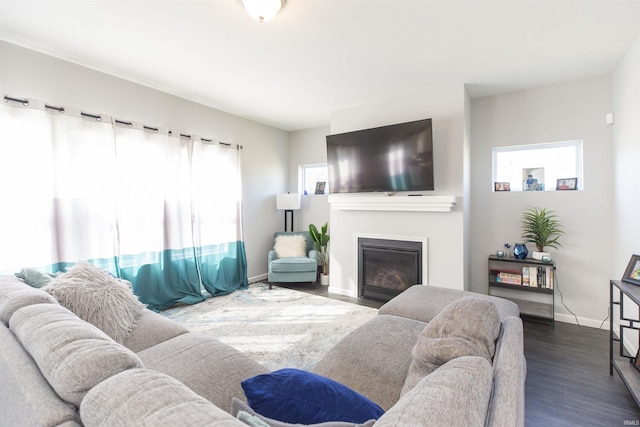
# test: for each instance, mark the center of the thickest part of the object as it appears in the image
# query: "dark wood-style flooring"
(568, 381)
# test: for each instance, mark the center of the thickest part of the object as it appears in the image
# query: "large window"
(312, 175)
(538, 167)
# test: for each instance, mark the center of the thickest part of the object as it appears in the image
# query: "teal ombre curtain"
(163, 211)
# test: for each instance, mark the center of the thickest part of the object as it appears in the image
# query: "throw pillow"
(34, 278)
(244, 413)
(466, 327)
(288, 246)
(296, 396)
(98, 298)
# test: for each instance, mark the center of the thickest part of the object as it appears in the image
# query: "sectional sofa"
(430, 358)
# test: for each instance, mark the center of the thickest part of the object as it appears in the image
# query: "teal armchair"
(303, 267)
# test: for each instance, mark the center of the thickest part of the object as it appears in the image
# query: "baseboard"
(591, 323)
(341, 291)
(258, 278)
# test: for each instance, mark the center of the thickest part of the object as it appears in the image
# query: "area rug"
(279, 327)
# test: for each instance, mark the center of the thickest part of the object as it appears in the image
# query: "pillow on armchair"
(290, 246)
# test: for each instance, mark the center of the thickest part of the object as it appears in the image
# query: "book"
(525, 276)
(533, 276)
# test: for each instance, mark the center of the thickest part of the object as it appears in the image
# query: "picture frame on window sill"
(564, 184)
(320, 187)
(502, 186)
(632, 273)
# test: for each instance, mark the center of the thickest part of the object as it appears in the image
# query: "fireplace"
(387, 267)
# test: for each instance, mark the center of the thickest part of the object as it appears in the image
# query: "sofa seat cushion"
(293, 265)
(207, 366)
(424, 302)
(27, 398)
(72, 355)
(140, 397)
(466, 327)
(455, 394)
(11, 301)
(373, 359)
(244, 413)
(297, 396)
(98, 298)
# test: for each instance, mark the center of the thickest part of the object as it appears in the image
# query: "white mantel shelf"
(357, 202)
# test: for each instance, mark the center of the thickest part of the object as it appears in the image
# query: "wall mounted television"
(384, 159)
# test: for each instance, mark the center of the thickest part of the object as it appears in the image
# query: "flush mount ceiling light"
(263, 10)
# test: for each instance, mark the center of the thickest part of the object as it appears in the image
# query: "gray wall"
(569, 111)
(265, 158)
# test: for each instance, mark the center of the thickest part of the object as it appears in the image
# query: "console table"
(622, 362)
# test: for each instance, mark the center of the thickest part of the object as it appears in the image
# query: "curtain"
(160, 210)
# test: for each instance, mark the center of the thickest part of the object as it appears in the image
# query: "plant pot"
(324, 279)
(539, 255)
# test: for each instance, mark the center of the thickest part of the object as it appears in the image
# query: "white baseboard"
(591, 323)
(258, 278)
(341, 291)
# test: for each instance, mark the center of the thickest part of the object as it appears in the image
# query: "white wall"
(444, 231)
(626, 142)
(308, 147)
(265, 157)
(568, 111)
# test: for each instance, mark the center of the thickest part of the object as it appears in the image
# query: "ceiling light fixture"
(263, 10)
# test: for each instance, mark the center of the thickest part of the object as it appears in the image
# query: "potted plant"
(541, 227)
(321, 240)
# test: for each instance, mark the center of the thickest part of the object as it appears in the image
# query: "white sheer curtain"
(159, 209)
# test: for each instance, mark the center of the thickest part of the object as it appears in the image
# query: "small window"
(538, 167)
(314, 177)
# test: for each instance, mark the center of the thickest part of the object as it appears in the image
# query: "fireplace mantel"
(382, 202)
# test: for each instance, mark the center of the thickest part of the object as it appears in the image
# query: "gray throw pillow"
(34, 278)
(98, 298)
(466, 327)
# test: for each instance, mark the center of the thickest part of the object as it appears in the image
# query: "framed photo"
(632, 273)
(636, 361)
(567, 184)
(502, 186)
(320, 187)
(533, 179)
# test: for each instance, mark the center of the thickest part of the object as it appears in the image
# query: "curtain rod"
(26, 103)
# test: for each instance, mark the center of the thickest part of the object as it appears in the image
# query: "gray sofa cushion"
(27, 399)
(243, 412)
(151, 329)
(98, 298)
(207, 366)
(424, 302)
(509, 372)
(466, 327)
(140, 397)
(454, 395)
(72, 355)
(373, 360)
(14, 300)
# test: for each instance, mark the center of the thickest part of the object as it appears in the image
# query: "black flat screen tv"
(384, 159)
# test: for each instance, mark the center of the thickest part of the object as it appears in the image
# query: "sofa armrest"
(273, 255)
(313, 254)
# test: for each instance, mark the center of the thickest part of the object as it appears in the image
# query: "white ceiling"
(318, 56)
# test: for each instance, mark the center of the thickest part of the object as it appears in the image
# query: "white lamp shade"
(289, 201)
(263, 10)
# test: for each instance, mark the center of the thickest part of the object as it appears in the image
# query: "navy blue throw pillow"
(295, 396)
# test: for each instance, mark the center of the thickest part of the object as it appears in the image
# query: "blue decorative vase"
(520, 251)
